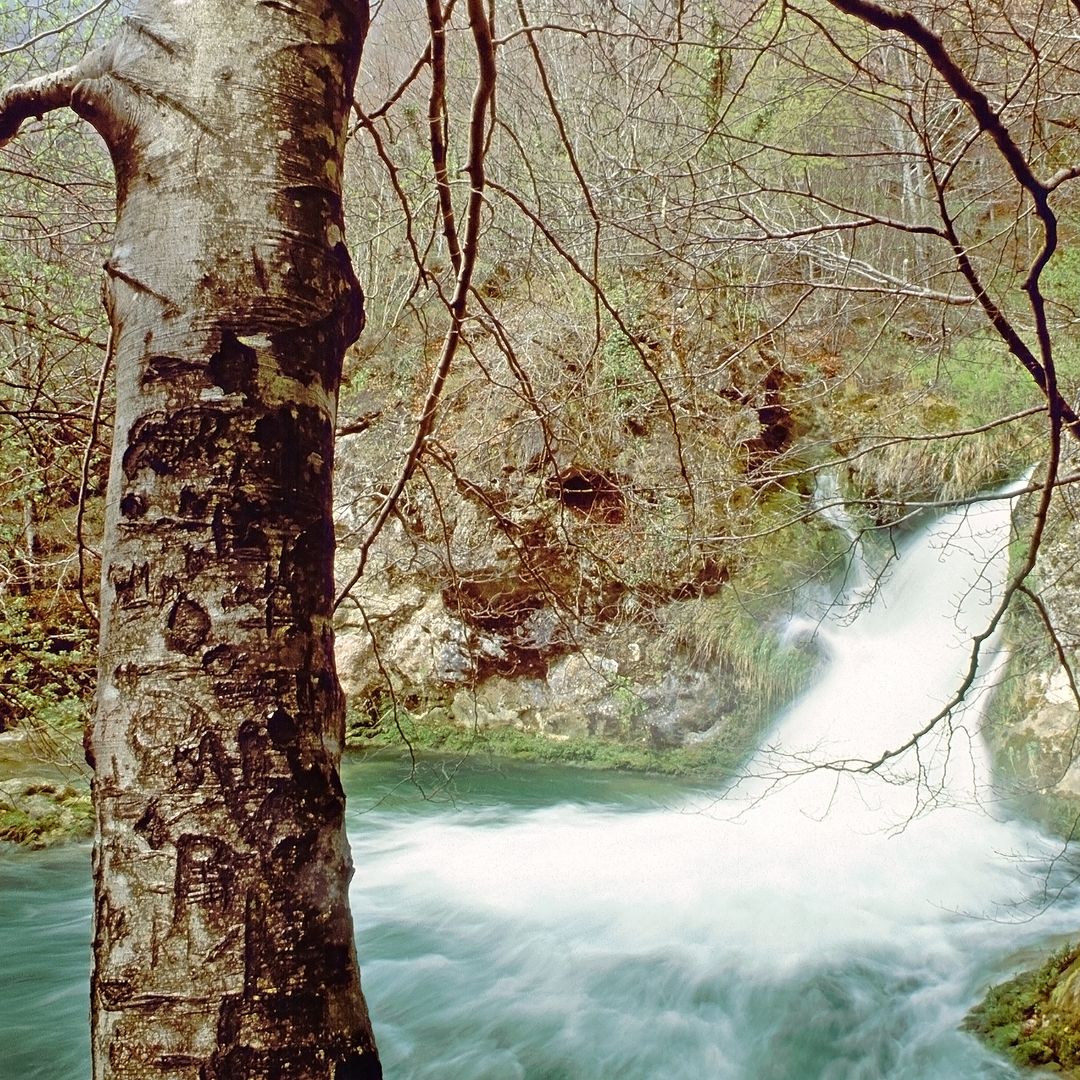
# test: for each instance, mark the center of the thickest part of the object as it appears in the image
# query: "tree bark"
(223, 942)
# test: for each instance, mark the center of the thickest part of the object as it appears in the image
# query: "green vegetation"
(724, 633)
(736, 369)
(434, 732)
(978, 378)
(47, 677)
(737, 631)
(55, 227)
(890, 414)
(38, 813)
(1032, 1017)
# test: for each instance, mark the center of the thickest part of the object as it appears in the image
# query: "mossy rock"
(1034, 1018)
(435, 732)
(37, 812)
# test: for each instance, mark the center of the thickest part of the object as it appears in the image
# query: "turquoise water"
(519, 921)
(549, 924)
(44, 963)
(45, 897)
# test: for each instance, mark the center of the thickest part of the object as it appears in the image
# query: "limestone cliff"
(597, 572)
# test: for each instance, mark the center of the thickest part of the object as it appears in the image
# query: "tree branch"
(939, 56)
(438, 130)
(478, 126)
(36, 97)
(54, 30)
(47, 93)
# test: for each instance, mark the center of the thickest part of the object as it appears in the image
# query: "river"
(551, 924)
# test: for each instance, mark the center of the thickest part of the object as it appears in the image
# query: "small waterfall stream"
(900, 641)
(804, 924)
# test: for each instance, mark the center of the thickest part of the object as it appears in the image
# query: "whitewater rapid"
(805, 922)
(536, 923)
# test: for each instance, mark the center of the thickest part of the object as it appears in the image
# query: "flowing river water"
(803, 924)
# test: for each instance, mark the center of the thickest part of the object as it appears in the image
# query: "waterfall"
(899, 660)
(805, 922)
(828, 502)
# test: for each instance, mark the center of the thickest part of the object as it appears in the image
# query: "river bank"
(44, 792)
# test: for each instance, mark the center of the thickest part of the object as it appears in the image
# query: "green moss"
(44, 814)
(979, 378)
(714, 759)
(1026, 1019)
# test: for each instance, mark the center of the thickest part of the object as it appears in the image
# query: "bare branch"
(438, 125)
(478, 125)
(55, 30)
(1062, 176)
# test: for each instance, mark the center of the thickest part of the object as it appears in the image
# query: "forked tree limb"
(46, 93)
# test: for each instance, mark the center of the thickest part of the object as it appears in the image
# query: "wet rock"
(522, 704)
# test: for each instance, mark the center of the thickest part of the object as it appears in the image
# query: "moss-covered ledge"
(44, 782)
(434, 730)
(1034, 1018)
(38, 812)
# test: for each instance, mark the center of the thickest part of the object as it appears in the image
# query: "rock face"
(1034, 720)
(1038, 743)
(534, 583)
(533, 674)
(554, 564)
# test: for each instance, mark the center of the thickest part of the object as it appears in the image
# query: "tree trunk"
(223, 943)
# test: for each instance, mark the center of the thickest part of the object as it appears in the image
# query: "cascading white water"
(898, 661)
(802, 924)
